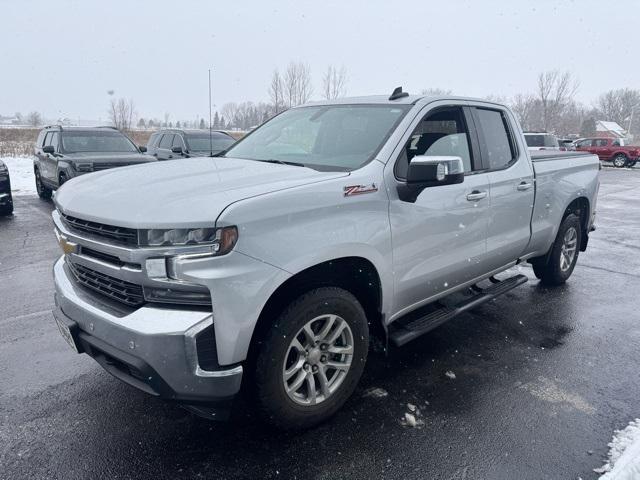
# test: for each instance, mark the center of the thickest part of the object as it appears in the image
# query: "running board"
(403, 332)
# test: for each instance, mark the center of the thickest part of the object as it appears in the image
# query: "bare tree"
(555, 91)
(34, 119)
(619, 105)
(276, 92)
(297, 84)
(334, 83)
(524, 108)
(121, 113)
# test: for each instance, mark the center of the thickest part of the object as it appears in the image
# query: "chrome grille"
(106, 166)
(124, 292)
(127, 236)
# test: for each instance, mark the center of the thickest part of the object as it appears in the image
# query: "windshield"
(541, 140)
(336, 137)
(200, 142)
(75, 142)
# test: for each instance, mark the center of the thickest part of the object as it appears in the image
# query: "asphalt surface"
(542, 378)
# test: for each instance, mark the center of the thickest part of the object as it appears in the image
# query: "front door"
(439, 242)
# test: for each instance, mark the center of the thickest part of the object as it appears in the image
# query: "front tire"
(620, 160)
(43, 192)
(312, 358)
(564, 254)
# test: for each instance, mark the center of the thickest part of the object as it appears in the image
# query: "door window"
(54, 140)
(177, 141)
(166, 141)
(443, 132)
(602, 142)
(47, 139)
(496, 140)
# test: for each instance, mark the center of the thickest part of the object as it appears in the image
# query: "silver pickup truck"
(274, 265)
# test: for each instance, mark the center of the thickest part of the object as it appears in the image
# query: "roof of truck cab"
(384, 100)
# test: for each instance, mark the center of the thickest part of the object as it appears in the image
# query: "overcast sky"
(61, 57)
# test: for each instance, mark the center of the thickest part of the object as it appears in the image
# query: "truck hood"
(111, 158)
(176, 194)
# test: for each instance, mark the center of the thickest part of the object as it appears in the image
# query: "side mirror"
(430, 171)
(48, 149)
(176, 149)
(142, 148)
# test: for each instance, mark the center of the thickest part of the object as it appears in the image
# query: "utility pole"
(210, 126)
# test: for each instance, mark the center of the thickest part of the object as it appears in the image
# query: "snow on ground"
(21, 174)
(624, 454)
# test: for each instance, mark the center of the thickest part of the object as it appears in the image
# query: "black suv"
(6, 201)
(66, 152)
(175, 143)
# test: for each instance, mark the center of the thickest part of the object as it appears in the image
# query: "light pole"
(631, 118)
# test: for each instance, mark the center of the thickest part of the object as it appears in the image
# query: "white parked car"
(541, 141)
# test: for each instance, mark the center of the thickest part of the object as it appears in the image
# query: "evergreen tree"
(588, 127)
(202, 124)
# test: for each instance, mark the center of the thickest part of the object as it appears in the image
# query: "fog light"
(156, 268)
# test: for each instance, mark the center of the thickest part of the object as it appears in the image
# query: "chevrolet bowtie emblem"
(67, 246)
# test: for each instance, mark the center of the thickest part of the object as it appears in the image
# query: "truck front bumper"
(165, 352)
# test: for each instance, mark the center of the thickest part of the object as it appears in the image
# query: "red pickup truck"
(610, 150)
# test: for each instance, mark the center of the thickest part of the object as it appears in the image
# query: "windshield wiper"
(284, 162)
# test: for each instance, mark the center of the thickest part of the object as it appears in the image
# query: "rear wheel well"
(580, 207)
(356, 275)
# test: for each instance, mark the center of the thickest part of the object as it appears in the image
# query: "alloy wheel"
(568, 250)
(318, 360)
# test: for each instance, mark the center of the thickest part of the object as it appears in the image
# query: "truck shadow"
(489, 348)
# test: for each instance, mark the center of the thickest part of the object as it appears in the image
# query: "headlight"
(84, 167)
(222, 240)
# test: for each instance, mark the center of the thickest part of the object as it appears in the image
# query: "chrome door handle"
(476, 195)
(524, 186)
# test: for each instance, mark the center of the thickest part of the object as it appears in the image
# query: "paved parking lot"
(542, 378)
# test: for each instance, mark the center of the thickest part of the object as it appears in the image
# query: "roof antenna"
(210, 134)
(398, 93)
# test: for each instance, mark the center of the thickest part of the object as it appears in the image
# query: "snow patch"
(624, 454)
(375, 392)
(450, 374)
(21, 175)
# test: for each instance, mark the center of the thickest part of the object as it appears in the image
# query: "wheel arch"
(581, 207)
(355, 274)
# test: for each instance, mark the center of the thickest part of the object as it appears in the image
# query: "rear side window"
(166, 141)
(496, 141)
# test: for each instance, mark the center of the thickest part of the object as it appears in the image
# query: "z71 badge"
(359, 189)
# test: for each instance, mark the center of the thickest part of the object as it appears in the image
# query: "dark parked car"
(172, 143)
(66, 152)
(6, 201)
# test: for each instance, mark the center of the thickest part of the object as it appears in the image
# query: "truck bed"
(559, 178)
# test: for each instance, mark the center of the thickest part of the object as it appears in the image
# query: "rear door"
(600, 146)
(439, 241)
(512, 185)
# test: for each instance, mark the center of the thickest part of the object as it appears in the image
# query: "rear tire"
(43, 192)
(302, 374)
(564, 254)
(6, 210)
(620, 160)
